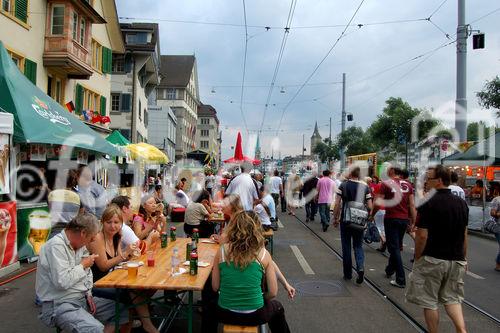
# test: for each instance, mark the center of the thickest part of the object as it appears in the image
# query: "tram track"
(394, 303)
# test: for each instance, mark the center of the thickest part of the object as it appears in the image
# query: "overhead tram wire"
(286, 33)
(437, 9)
(317, 67)
(244, 67)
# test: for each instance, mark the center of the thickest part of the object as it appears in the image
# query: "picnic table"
(160, 277)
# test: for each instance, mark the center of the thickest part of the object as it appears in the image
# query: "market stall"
(45, 136)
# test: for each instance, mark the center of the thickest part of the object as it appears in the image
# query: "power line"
(438, 8)
(244, 67)
(486, 15)
(280, 57)
(320, 63)
(268, 85)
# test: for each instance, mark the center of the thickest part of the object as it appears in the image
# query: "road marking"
(475, 276)
(280, 225)
(302, 261)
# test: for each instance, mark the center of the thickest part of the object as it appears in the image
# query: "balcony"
(68, 34)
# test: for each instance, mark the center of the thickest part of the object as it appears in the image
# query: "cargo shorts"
(436, 281)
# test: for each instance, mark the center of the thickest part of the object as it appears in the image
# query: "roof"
(176, 70)
(141, 27)
(113, 26)
(316, 132)
(206, 110)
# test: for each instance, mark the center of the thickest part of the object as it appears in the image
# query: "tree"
(327, 150)
(489, 97)
(473, 130)
(355, 140)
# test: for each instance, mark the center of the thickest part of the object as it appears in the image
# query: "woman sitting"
(107, 246)
(238, 272)
(150, 217)
(197, 213)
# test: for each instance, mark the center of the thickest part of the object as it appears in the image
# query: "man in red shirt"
(397, 196)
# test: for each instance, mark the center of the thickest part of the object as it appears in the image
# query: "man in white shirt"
(455, 189)
(276, 187)
(244, 186)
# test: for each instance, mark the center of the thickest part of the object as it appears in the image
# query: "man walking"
(276, 187)
(309, 194)
(440, 252)
(399, 203)
(325, 188)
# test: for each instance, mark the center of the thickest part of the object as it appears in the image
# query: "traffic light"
(478, 41)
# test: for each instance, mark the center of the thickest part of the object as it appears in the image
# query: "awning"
(484, 153)
(40, 119)
(146, 152)
(117, 138)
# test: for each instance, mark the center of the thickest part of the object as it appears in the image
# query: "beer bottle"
(173, 234)
(164, 239)
(196, 235)
(194, 246)
(193, 264)
(188, 251)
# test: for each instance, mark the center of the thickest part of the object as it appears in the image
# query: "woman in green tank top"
(238, 274)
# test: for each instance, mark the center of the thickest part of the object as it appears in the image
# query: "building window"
(140, 111)
(115, 102)
(118, 64)
(57, 20)
(204, 144)
(96, 55)
(205, 121)
(82, 32)
(75, 26)
(17, 59)
(138, 38)
(17, 9)
(204, 132)
(170, 93)
(180, 93)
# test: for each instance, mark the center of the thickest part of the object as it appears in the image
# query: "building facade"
(207, 134)
(161, 129)
(178, 90)
(315, 138)
(135, 77)
(64, 47)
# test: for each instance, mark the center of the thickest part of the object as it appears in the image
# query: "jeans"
(346, 234)
(394, 232)
(324, 213)
(497, 235)
(311, 209)
(276, 198)
(283, 204)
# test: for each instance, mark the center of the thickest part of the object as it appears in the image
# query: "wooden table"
(216, 218)
(160, 277)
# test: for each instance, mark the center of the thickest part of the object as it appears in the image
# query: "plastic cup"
(151, 258)
(133, 269)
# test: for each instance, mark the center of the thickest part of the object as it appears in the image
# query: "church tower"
(315, 138)
(257, 149)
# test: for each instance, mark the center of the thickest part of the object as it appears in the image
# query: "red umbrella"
(238, 154)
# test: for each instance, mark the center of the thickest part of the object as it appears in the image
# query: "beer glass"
(133, 269)
(39, 229)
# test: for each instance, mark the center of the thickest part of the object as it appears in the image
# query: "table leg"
(190, 312)
(117, 311)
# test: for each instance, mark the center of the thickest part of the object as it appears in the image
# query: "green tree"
(473, 130)
(355, 140)
(327, 150)
(489, 97)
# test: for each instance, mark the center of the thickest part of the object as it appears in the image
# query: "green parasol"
(117, 138)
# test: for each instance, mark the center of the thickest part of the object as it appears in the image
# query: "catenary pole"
(342, 149)
(461, 101)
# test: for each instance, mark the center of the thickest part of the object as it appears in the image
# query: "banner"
(33, 226)
(4, 163)
(8, 233)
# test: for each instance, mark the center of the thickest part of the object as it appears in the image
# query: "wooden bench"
(240, 329)
(269, 236)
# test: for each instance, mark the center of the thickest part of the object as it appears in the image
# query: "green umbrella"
(40, 119)
(117, 138)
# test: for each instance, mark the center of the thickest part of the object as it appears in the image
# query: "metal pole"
(342, 149)
(461, 101)
(330, 136)
(302, 147)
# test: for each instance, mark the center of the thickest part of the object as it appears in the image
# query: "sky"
(389, 49)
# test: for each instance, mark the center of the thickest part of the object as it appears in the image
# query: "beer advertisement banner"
(8, 233)
(33, 226)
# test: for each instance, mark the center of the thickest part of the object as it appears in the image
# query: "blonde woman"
(108, 248)
(239, 269)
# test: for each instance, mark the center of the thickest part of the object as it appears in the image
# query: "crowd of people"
(243, 284)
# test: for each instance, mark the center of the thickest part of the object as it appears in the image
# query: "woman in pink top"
(325, 188)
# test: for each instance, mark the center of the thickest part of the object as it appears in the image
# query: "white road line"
(280, 225)
(302, 261)
(475, 276)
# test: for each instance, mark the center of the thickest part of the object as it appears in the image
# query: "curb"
(485, 235)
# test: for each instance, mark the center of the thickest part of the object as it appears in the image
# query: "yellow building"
(65, 47)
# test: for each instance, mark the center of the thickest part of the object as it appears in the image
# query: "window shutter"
(127, 64)
(106, 57)
(21, 10)
(103, 106)
(125, 103)
(78, 99)
(109, 60)
(30, 70)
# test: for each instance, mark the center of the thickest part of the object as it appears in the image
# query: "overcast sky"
(367, 54)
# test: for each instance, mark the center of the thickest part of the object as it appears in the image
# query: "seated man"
(64, 281)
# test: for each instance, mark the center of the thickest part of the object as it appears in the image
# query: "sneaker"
(312, 219)
(325, 227)
(395, 284)
(389, 275)
(307, 219)
(361, 277)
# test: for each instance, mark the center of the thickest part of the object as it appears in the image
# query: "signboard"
(4, 163)
(33, 225)
(8, 233)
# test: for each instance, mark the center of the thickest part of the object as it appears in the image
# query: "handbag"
(492, 226)
(372, 235)
(356, 215)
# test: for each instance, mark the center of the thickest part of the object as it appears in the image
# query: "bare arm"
(336, 209)
(281, 279)
(420, 242)
(412, 210)
(272, 282)
(216, 272)
(103, 263)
